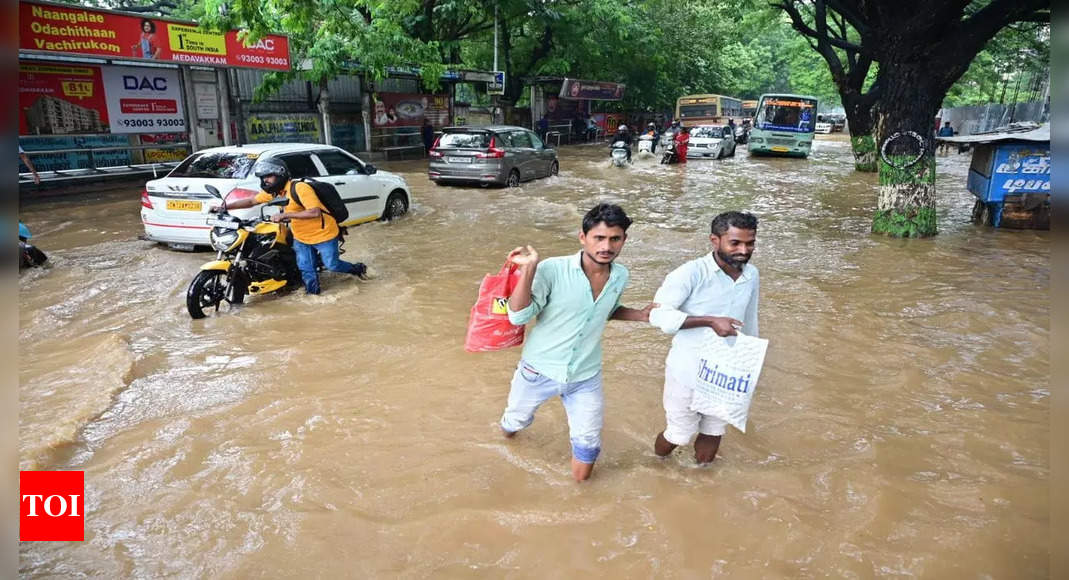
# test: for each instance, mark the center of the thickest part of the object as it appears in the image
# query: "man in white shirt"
(717, 291)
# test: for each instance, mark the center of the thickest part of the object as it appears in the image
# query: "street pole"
(495, 37)
(223, 82)
(324, 109)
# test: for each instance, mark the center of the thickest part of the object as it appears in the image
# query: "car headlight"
(223, 238)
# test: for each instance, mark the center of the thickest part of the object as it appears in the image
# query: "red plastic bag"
(489, 327)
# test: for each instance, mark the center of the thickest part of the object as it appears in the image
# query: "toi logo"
(51, 506)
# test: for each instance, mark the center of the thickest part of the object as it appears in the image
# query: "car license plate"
(458, 159)
(182, 205)
(780, 149)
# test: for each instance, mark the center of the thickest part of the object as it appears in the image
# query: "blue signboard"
(1020, 168)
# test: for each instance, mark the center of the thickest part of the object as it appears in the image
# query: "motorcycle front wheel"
(205, 292)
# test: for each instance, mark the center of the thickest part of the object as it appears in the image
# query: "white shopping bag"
(728, 368)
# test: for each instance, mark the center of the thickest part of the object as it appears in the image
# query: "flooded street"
(900, 427)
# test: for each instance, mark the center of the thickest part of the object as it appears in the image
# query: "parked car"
(496, 154)
(838, 123)
(714, 141)
(174, 209)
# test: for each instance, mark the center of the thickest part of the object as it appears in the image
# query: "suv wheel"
(554, 168)
(513, 179)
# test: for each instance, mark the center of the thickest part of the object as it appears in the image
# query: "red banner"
(75, 30)
(61, 99)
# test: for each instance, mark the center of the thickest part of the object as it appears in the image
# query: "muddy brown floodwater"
(900, 427)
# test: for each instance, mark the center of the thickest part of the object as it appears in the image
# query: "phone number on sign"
(257, 59)
(152, 123)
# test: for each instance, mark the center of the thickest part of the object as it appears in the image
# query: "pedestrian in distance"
(428, 135)
(29, 165)
(945, 131)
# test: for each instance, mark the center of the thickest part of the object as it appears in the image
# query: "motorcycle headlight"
(223, 238)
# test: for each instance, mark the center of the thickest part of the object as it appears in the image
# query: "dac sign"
(133, 83)
(51, 506)
(267, 44)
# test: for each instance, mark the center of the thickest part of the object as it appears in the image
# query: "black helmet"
(272, 167)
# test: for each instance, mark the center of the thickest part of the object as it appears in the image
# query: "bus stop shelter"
(566, 104)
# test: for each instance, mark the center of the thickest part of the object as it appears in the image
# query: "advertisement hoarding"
(409, 110)
(595, 90)
(143, 100)
(60, 99)
(45, 27)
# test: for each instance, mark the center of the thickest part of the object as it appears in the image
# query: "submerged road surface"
(900, 426)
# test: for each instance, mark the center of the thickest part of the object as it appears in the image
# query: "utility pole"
(495, 36)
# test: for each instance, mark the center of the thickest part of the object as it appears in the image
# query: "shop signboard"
(1021, 168)
(164, 155)
(70, 29)
(282, 128)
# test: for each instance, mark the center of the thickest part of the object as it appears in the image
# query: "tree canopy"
(660, 48)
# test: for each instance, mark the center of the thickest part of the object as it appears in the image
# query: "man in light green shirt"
(573, 297)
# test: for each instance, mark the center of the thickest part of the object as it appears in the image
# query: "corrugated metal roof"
(1021, 133)
(344, 89)
(245, 81)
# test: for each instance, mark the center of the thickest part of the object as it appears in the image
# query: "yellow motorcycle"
(255, 257)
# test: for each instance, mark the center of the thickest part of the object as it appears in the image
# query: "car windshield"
(465, 140)
(216, 165)
(708, 132)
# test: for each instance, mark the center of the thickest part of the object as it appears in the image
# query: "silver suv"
(498, 154)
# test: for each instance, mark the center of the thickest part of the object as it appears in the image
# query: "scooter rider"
(651, 130)
(314, 230)
(622, 134)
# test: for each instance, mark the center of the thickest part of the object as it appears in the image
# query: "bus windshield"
(702, 111)
(792, 114)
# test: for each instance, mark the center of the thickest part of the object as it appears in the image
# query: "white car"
(714, 141)
(823, 127)
(174, 209)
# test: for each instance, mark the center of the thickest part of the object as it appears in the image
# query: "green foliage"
(1021, 51)
(864, 147)
(661, 49)
(331, 37)
(922, 172)
(920, 223)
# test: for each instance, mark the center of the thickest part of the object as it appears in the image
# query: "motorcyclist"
(314, 229)
(651, 130)
(622, 134)
(682, 139)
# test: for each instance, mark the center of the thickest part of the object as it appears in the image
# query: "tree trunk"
(859, 119)
(904, 132)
